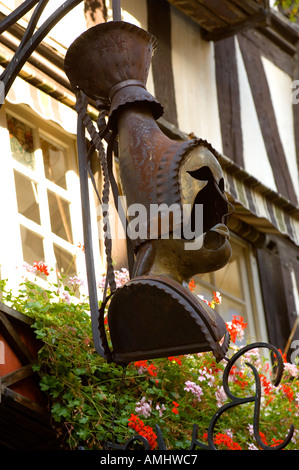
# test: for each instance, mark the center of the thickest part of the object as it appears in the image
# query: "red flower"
(236, 326)
(175, 409)
(276, 442)
(239, 377)
(263, 438)
(141, 364)
(150, 368)
(192, 285)
(267, 386)
(217, 297)
(138, 425)
(41, 267)
(288, 391)
(283, 355)
(226, 441)
(175, 359)
(81, 247)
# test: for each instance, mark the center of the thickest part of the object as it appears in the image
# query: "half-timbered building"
(225, 71)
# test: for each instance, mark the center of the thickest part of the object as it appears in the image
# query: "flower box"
(24, 421)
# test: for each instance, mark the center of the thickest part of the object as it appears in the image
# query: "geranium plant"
(93, 402)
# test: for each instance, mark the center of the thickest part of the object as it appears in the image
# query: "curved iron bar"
(116, 9)
(15, 15)
(89, 259)
(235, 401)
(33, 40)
(28, 33)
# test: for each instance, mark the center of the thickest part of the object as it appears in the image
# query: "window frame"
(253, 303)
(53, 133)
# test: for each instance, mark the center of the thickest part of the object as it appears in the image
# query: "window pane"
(206, 277)
(27, 200)
(60, 216)
(32, 245)
(55, 162)
(228, 279)
(21, 142)
(65, 262)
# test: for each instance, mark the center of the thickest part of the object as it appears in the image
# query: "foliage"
(289, 7)
(90, 399)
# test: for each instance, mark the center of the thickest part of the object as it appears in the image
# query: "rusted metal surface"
(160, 318)
(110, 64)
(112, 61)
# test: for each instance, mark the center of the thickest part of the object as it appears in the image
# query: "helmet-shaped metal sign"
(155, 314)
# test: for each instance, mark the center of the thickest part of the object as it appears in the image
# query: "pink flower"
(121, 277)
(66, 297)
(143, 408)
(75, 281)
(206, 374)
(292, 369)
(220, 396)
(193, 388)
(160, 409)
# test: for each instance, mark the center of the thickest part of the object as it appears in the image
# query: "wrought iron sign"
(109, 64)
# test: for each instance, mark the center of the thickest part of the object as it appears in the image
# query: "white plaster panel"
(280, 84)
(194, 80)
(256, 160)
(136, 13)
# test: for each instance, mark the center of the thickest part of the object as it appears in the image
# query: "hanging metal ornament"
(154, 314)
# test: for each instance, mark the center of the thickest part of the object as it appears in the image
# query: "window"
(43, 163)
(239, 287)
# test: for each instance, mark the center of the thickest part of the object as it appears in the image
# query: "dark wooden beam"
(12, 313)
(271, 50)
(95, 12)
(267, 119)
(14, 340)
(274, 297)
(296, 103)
(159, 24)
(223, 18)
(229, 99)
(276, 261)
(17, 375)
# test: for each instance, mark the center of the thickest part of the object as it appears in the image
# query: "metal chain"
(81, 108)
